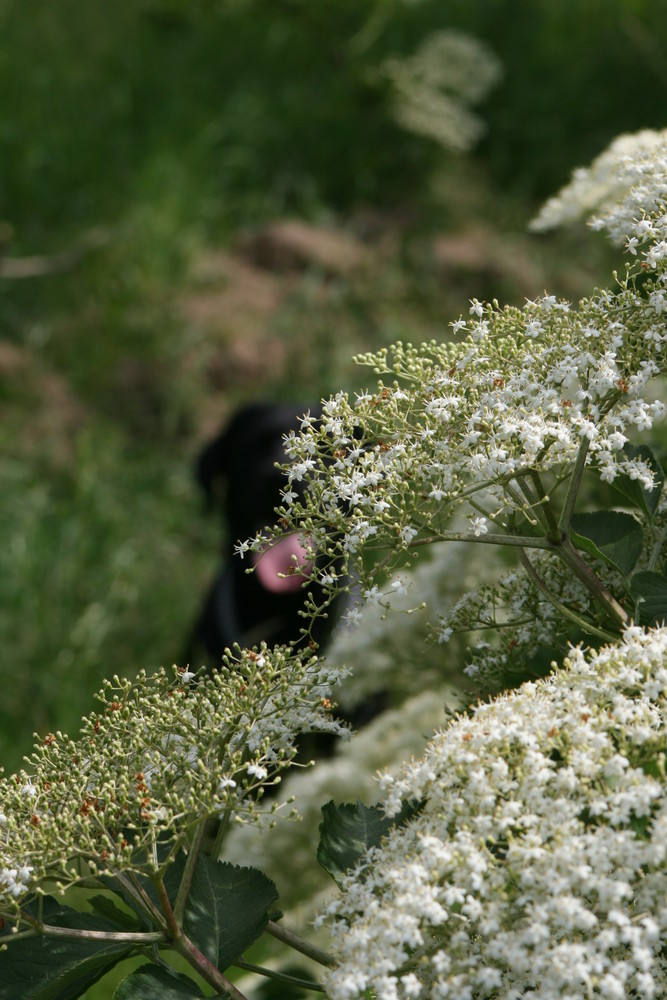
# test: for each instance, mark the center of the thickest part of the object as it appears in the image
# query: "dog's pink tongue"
(287, 557)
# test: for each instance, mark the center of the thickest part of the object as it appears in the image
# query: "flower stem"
(573, 486)
(562, 608)
(656, 551)
(181, 943)
(593, 584)
(280, 977)
(491, 538)
(221, 833)
(536, 504)
(554, 532)
(132, 937)
(184, 946)
(294, 941)
(143, 902)
(188, 873)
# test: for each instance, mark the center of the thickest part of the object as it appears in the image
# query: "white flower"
(352, 617)
(257, 771)
(407, 533)
(185, 675)
(373, 596)
(478, 526)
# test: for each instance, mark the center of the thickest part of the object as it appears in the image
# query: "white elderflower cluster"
(537, 864)
(159, 756)
(436, 86)
(523, 392)
(624, 189)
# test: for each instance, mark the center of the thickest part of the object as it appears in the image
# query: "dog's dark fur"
(237, 473)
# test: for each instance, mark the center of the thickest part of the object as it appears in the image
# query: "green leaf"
(104, 906)
(154, 982)
(227, 909)
(650, 593)
(632, 489)
(610, 535)
(347, 831)
(52, 968)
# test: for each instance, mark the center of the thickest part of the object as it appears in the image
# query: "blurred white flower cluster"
(624, 189)
(435, 87)
(537, 866)
(286, 855)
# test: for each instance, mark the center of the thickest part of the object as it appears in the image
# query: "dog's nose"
(282, 568)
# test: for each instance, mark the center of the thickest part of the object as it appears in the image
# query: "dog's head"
(238, 468)
(238, 474)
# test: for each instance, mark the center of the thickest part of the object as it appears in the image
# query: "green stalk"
(562, 608)
(298, 944)
(184, 946)
(655, 551)
(370, 31)
(280, 977)
(181, 943)
(143, 902)
(221, 833)
(133, 937)
(554, 532)
(593, 584)
(573, 487)
(518, 541)
(536, 506)
(188, 873)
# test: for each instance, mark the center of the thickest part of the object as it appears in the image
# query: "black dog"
(238, 471)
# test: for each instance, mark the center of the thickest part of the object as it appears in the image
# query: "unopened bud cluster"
(160, 754)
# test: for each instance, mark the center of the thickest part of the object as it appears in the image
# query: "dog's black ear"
(223, 458)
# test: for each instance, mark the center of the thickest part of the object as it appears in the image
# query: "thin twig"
(133, 937)
(573, 487)
(561, 608)
(280, 977)
(188, 873)
(298, 944)
(593, 584)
